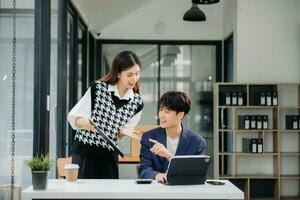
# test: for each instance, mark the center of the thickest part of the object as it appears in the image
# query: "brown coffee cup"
(71, 172)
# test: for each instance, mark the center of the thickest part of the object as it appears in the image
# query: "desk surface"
(128, 189)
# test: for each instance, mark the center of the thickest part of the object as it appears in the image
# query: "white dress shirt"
(172, 144)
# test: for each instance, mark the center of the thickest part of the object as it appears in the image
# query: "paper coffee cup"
(71, 172)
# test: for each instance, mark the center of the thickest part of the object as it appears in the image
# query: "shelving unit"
(274, 172)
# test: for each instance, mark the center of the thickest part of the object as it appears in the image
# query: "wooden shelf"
(290, 177)
(289, 107)
(249, 176)
(248, 154)
(249, 107)
(290, 198)
(248, 130)
(275, 139)
(289, 131)
(290, 153)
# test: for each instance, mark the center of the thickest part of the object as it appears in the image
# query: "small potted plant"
(39, 165)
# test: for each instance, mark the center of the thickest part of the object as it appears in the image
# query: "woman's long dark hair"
(122, 62)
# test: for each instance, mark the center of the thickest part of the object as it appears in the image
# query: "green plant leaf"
(39, 163)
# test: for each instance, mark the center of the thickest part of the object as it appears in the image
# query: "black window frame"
(65, 8)
(217, 43)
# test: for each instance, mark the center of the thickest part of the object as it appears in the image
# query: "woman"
(113, 104)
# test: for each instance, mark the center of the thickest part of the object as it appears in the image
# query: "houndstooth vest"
(107, 116)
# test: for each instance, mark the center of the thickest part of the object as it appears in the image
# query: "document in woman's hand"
(131, 132)
(108, 140)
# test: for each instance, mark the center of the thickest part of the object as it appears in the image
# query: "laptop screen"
(187, 169)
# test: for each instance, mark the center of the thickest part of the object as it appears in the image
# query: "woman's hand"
(160, 149)
(121, 135)
(129, 131)
(160, 177)
(84, 123)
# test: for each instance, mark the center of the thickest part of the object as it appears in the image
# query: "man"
(159, 145)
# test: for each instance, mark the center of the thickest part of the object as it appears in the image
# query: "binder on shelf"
(227, 99)
(292, 122)
(250, 145)
(253, 144)
(244, 122)
(234, 99)
(259, 122)
(265, 122)
(247, 122)
(269, 99)
(295, 122)
(246, 146)
(259, 146)
(253, 122)
(275, 99)
(262, 99)
(241, 122)
(240, 99)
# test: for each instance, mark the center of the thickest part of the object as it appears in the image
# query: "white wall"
(166, 16)
(229, 17)
(268, 41)
(230, 26)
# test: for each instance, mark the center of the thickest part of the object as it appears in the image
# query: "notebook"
(187, 170)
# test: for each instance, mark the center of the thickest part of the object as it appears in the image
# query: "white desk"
(128, 189)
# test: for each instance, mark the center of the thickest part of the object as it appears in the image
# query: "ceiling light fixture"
(194, 14)
(205, 1)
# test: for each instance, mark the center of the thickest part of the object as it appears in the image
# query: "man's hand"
(160, 149)
(160, 177)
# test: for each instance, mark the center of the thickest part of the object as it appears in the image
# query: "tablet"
(187, 170)
(108, 140)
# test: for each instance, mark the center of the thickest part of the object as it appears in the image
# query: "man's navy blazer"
(190, 143)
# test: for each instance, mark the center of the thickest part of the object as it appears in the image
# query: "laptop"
(187, 170)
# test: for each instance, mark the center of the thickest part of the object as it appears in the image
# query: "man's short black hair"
(176, 101)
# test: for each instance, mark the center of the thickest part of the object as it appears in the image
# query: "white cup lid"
(71, 166)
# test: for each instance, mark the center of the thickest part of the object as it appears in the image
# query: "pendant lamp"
(205, 1)
(194, 14)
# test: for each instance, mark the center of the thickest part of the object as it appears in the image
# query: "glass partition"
(24, 90)
(187, 68)
(192, 69)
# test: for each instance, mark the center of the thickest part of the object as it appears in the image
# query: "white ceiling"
(101, 13)
(149, 19)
